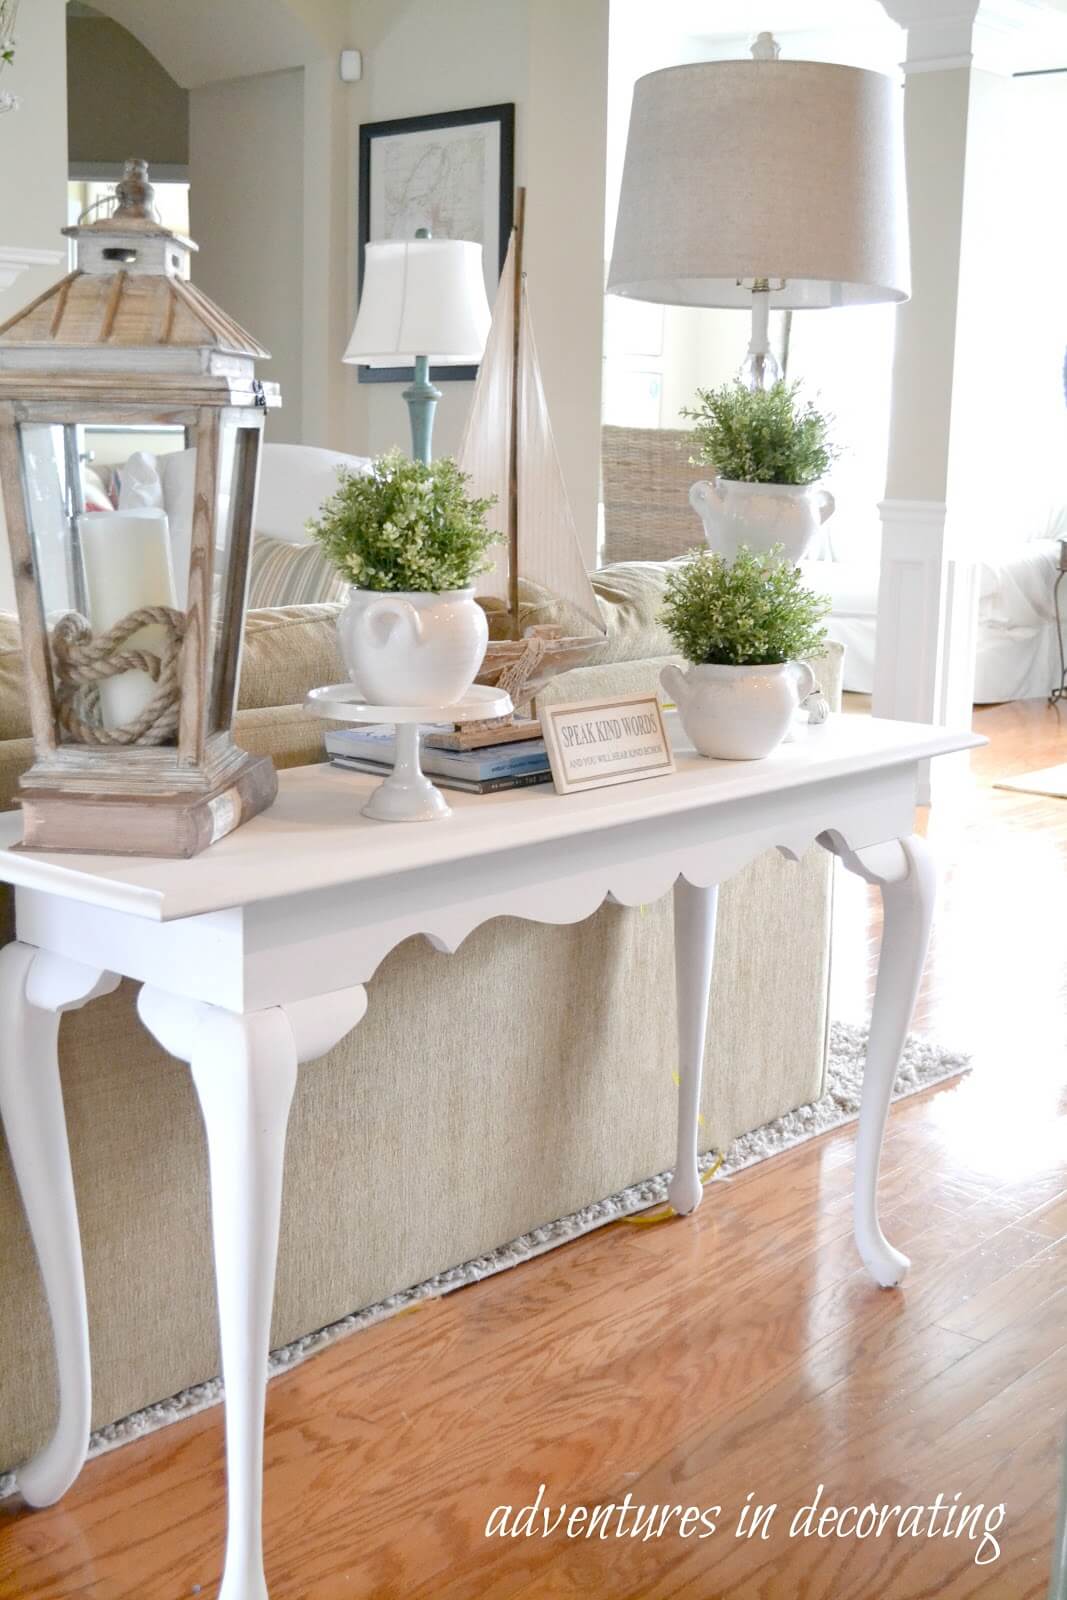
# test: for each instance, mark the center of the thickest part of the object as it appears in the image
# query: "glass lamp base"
(759, 370)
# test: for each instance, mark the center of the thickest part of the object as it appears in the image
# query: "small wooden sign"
(592, 743)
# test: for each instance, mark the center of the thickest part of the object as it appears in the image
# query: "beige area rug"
(1049, 780)
(923, 1064)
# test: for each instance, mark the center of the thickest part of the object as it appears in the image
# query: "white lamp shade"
(421, 297)
(786, 170)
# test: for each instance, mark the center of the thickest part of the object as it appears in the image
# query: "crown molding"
(15, 259)
(1002, 36)
(940, 33)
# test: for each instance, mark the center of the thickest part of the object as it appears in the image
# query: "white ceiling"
(856, 33)
(710, 18)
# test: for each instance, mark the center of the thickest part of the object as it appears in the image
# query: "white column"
(923, 599)
(948, 485)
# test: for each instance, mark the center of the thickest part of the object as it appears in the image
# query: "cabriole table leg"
(694, 949)
(904, 873)
(35, 989)
(244, 1070)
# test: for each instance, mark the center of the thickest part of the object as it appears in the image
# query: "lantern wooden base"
(169, 825)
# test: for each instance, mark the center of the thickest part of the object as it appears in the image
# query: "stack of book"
(486, 770)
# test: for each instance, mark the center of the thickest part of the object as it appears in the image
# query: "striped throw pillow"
(292, 575)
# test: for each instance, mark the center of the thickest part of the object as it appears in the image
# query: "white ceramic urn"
(738, 713)
(413, 649)
(760, 515)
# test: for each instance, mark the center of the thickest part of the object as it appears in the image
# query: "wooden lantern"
(132, 617)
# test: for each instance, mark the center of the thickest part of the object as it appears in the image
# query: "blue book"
(490, 761)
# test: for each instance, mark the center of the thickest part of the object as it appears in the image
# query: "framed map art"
(452, 172)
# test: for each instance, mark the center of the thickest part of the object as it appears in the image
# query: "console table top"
(314, 837)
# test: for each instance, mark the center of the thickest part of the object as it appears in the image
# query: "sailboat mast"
(513, 441)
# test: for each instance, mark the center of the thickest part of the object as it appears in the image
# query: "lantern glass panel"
(97, 563)
(239, 437)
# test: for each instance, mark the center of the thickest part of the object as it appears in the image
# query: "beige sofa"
(414, 1148)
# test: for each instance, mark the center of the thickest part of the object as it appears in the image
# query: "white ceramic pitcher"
(760, 515)
(413, 649)
(738, 713)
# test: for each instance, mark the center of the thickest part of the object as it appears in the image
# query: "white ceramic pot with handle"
(760, 515)
(413, 649)
(738, 713)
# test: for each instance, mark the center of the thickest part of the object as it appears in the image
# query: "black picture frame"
(504, 116)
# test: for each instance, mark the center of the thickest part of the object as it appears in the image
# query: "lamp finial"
(765, 48)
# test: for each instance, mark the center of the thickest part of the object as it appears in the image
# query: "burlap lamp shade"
(789, 171)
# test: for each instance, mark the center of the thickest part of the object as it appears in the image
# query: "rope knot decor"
(83, 660)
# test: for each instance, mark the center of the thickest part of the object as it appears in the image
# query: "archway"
(201, 42)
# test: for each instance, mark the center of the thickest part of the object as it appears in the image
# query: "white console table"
(253, 958)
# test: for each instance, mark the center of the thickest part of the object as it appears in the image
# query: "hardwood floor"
(741, 1352)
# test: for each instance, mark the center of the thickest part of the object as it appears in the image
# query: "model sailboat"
(508, 452)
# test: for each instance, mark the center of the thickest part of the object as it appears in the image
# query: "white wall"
(565, 147)
(33, 170)
(1007, 461)
(271, 180)
(246, 199)
(418, 58)
(33, 147)
(329, 256)
(281, 256)
(550, 58)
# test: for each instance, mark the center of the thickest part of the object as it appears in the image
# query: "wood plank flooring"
(741, 1352)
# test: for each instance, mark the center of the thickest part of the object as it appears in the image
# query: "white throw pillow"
(294, 480)
(139, 482)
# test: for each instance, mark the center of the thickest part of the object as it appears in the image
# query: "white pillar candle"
(126, 556)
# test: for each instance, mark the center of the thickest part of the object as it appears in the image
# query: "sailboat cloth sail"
(484, 452)
(548, 550)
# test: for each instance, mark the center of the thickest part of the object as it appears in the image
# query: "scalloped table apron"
(253, 958)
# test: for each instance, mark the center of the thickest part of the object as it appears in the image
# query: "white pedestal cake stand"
(407, 795)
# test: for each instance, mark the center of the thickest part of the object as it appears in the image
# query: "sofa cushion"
(14, 710)
(290, 638)
(289, 650)
(291, 646)
(630, 595)
(284, 574)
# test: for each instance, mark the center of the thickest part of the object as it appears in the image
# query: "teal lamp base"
(422, 397)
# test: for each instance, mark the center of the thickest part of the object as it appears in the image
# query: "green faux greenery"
(7, 22)
(749, 612)
(761, 435)
(405, 526)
